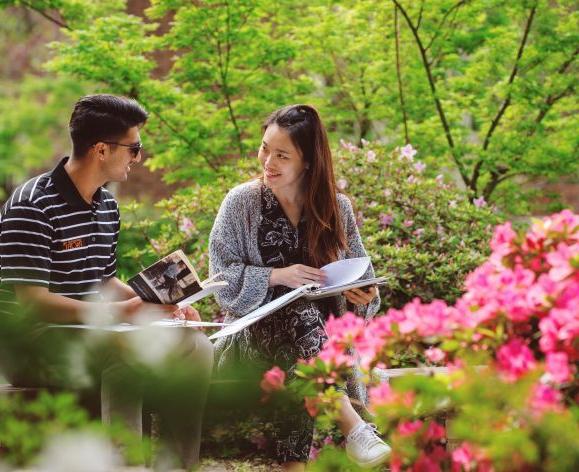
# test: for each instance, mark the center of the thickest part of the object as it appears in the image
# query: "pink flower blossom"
(434, 354)
(386, 220)
(412, 179)
(408, 428)
(371, 156)
(479, 202)
(545, 398)
(439, 179)
(426, 463)
(408, 152)
(503, 238)
(186, 226)
(435, 431)
(515, 359)
(364, 142)
(273, 380)
(558, 367)
(342, 184)
(408, 223)
(452, 203)
(418, 232)
(387, 192)
(420, 166)
(561, 261)
(464, 458)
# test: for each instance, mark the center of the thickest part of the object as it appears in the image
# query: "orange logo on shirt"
(72, 244)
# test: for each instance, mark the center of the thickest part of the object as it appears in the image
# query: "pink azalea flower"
(558, 367)
(187, 226)
(435, 355)
(515, 359)
(545, 398)
(408, 152)
(408, 223)
(464, 458)
(561, 261)
(418, 232)
(386, 220)
(479, 202)
(503, 238)
(435, 431)
(426, 463)
(412, 179)
(371, 156)
(420, 166)
(408, 428)
(273, 380)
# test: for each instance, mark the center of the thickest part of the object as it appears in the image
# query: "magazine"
(340, 276)
(173, 281)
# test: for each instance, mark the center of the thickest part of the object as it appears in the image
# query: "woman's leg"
(348, 416)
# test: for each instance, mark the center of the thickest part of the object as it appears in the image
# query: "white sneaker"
(365, 448)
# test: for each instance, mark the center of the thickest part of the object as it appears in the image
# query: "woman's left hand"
(358, 296)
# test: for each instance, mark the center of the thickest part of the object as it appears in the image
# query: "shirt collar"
(65, 186)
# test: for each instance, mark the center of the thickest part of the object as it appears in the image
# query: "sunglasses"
(134, 149)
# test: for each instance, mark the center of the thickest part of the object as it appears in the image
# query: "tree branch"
(46, 15)
(432, 85)
(444, 18)
(399, 75)
(507, 101)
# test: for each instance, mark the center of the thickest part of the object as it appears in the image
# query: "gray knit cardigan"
(234, 252)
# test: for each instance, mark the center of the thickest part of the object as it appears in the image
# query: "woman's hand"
(296, 275)
(358, 296)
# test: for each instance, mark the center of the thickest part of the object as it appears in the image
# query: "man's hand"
(187, 313)
(358, 296)
(134, 305)
(296, 275)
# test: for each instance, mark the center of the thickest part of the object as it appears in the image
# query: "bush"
(420, 231)
(510, 344)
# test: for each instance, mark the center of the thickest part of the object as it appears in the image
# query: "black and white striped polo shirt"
(51, 237)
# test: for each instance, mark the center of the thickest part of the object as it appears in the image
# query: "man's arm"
(119, 289)
(54, 308)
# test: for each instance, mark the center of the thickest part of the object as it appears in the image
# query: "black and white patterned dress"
(294, 332)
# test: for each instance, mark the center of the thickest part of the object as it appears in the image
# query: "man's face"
(120, 157)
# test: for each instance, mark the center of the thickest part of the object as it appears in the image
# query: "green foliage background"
(485, 90)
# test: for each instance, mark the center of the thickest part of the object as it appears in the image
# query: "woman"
(272, 235)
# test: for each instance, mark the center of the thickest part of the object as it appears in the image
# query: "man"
(58, 239)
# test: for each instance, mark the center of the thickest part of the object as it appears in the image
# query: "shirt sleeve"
(25, 241)
(111, 268)
(356, 249)
(248, 284)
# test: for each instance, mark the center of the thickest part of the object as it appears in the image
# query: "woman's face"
(283, 164)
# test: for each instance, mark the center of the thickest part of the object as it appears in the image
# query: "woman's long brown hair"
(325, 235)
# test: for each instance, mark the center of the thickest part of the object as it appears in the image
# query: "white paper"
(345, 271)
(261, 312)
(210, 289)
(164, 323)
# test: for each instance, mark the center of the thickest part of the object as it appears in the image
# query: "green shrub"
(420, 231)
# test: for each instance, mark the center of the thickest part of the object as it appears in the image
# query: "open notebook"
(340, 276)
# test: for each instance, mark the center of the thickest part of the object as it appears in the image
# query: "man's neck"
(85, 179)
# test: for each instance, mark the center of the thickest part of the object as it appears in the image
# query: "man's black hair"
(103, 117)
